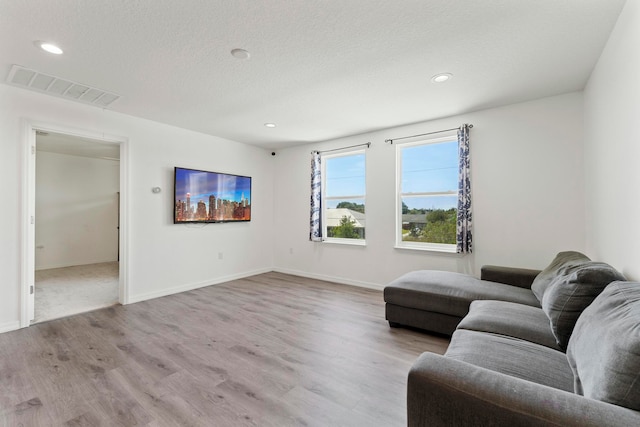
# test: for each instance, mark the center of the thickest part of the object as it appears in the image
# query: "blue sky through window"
(430, 168)
(345, 175)
(425, 168)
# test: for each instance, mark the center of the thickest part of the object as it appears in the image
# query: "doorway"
(76, 228)
(74, 238)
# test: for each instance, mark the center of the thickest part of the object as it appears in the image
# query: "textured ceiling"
(319, 69)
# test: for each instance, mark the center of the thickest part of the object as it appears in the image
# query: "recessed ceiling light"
(240, 53)
(49, 47)
(270, 125)
(441, 78)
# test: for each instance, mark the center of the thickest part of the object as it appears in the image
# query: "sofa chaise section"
(438, 300)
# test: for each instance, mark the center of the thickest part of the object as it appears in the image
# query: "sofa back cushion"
(604, 350)
(546, 276)
(574, 288)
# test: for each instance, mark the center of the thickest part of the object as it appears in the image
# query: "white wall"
(164, 257)
(528, 183)
(612, 148)
(76, 210)
(528, 195)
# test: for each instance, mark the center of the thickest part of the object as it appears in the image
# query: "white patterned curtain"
(315, 223)
(464, 241)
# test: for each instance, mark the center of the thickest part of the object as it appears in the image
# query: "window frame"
(341, 240)
(421, 246)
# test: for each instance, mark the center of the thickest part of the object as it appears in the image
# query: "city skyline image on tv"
(202, 196)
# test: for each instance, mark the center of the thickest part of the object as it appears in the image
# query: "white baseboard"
(192, 286)
(9, 326)
(340, 280)
(64, 265)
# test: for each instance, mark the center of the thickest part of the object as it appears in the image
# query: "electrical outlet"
(220, 255)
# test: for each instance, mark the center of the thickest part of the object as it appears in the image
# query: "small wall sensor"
(156, 190)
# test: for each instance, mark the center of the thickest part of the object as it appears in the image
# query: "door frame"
(27, 256)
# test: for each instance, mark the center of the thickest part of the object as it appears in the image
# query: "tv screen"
(201, 196)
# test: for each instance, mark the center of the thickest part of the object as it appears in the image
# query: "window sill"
(350, 242)
(449, 249)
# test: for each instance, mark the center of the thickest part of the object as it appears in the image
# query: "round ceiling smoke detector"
(441, 78)
(48, 47)
(240, 53)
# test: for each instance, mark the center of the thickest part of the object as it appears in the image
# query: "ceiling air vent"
(30, 79)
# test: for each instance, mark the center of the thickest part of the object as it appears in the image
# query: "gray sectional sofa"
(563, 351)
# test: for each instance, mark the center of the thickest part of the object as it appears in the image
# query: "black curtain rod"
(390, 141)
(343, 148)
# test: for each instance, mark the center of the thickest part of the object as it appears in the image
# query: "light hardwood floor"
(269, 350)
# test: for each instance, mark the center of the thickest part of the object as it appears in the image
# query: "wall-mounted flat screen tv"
(202, 196)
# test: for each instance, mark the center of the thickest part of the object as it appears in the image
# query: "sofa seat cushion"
(604, 350)
(571, 292)
(450, 293)
(546, 276)
(511, 319)
(512, 356)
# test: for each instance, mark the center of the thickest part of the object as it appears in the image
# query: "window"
(427, 195)
(344, 197)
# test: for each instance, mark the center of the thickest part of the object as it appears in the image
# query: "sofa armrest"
(447, 392)
(521, 277)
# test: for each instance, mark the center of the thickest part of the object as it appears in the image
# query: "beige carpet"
(61, 292)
